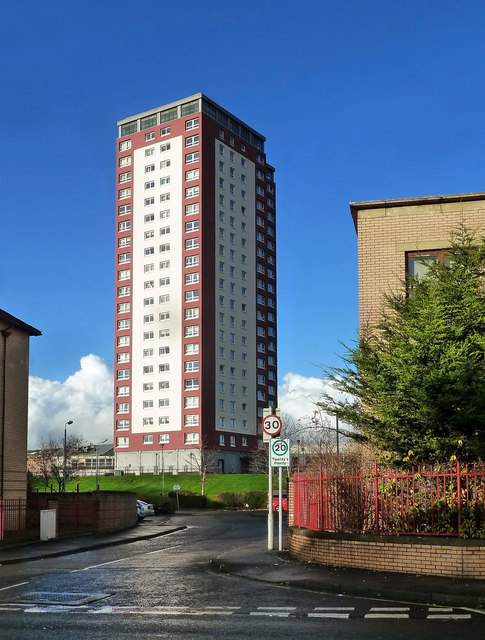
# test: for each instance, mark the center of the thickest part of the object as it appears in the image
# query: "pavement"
(26, 552)
(254, 562)
(279, 568)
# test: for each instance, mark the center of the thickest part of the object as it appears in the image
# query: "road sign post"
(280, 510)
(279, 456)
(176, 488)
(271, 426)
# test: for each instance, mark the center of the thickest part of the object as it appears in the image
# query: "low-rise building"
(14, 386)
(395, 235)
(94, 459)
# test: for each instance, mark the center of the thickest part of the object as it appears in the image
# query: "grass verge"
(149, 485)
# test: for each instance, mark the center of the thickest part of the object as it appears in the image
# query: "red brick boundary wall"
(450, 557)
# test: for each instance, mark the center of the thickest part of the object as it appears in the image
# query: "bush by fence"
(161, 504)
(189, 499)
(242, 500)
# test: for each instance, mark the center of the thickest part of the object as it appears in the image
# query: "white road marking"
(279, 612)
(336, 613)
(54, 608)
(103, 564)
(51, 609)
(195, 612)
(397, 616)
(450, 616)
(169, 611)
(95, 566)
(12, 586)
(329, 615)
(105, 609)
(276, 608)
(334, 609)
(162, 550)
(269, 614)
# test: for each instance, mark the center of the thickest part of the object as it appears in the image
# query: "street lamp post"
(318, 422)
(338, 435)
(163, 472)
(65, 456)
(97, 460)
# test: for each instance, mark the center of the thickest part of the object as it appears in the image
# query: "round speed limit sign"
(272, 425)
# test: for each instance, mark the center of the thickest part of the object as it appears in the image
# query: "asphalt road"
(163, 588)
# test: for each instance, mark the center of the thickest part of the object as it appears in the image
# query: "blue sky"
(357, 99)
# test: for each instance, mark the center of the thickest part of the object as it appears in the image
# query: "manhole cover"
(63, 597)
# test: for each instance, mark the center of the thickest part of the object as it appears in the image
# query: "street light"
(97, 458)
(65, 456)
(318, 422)
(163, 472)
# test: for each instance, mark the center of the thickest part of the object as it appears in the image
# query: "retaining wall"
(451, 557)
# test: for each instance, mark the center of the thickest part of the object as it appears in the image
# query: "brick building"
(14, 386)
(395, 235)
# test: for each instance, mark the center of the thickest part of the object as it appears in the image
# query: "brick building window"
(418, 263)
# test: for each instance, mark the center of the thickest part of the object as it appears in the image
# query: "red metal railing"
(12, 516)
(21, 518)
(420, 501)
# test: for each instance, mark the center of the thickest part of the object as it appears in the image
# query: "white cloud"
(86, 398)
(298, 394)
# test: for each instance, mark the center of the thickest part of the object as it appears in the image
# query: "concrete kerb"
(357, 590)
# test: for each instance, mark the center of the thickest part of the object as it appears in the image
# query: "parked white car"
(144, 509)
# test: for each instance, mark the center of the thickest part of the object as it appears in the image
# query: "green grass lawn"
(150, 485)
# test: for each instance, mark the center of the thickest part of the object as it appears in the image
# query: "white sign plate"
(176, 487)
(269, 411)
(279, 452)
(272, 425)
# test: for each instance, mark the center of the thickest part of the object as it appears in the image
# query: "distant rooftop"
(193, 104)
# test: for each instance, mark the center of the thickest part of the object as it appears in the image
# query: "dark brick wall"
(93, 512)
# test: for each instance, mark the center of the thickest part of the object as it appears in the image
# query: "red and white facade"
(195, 328)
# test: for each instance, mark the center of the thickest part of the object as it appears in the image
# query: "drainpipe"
(5, 333)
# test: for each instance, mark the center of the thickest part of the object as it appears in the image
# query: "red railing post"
(320, 502)
(458, 489)
(296, 498)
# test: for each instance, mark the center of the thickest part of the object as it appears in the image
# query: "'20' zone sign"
(272, 425)
(279, 454)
